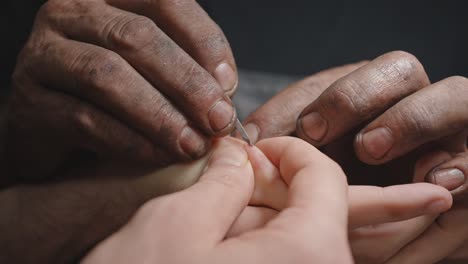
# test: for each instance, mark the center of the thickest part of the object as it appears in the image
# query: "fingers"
(317, 189)
(108, 82)
(435, 112)
(446, 170)
(443, 237)
(216, 201)
(361, 95)
(278, 116)
(194, 31)
(369, 205)
(378, 243)
(270, 189)
(162, 62)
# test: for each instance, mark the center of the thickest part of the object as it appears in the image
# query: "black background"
(300, 37)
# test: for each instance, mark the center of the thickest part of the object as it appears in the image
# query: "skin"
(379, 118)
(93, 212)
(293, 232)
(117, 83)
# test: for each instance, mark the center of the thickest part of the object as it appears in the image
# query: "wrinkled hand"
(385, 111)
(143, 80)
(191, 226)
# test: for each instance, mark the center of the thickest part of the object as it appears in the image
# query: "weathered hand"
(386, 111)
(144, 80)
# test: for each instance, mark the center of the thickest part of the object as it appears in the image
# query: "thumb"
(223, 191)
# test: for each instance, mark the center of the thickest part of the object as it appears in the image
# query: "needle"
(240, 128)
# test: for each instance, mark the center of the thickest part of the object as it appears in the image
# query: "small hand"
(191, 226)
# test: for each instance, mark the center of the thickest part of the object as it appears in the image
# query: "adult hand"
(143, 80)
(385, 111)
(191, 226)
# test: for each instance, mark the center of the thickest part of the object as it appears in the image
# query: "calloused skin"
(144, 80)
(402, 211)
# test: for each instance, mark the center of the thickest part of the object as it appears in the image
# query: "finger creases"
(361, 95)
(278, 117)
(311, 177)
(160, 59)
(433, 113)
(105, 80)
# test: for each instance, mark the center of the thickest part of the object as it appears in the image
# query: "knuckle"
(406, 67)
(133, 33)
(414, 118)
(100, 71)
(214, 42)
(458, 81)
(346, 97)
(53, 7)
(84, 121)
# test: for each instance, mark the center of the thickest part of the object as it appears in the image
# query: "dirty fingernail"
(314, 126)
(192, 143)
(450, 179)
(377, 142)
(221, 115)
(226, 77)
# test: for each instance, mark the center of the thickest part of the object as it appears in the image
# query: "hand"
(386, 111)
(382, 221)
(190, 226)
(447, 236)
(142, 80)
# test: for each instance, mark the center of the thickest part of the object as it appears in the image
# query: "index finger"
(317, 188)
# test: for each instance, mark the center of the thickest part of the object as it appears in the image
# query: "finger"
(169, 69)
(215, 202)
(433, 113)
(108, 82)
(194, 31)
(278, 116)
(251, 218)
(361, 95)
(451, 175)
(317, 190)
(270, 189)
(443, 237)
(369, 205)
(378, 243)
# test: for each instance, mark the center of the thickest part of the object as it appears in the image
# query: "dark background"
(299, 37)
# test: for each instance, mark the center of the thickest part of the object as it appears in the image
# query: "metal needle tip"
(240, 128)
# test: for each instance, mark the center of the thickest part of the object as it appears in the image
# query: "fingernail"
(229, 154)
(221, 115)
(226, 77)
(314, 126)
(252, 130)
(192, 143)
(377, 142)
(450, 179)
(437, 206)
